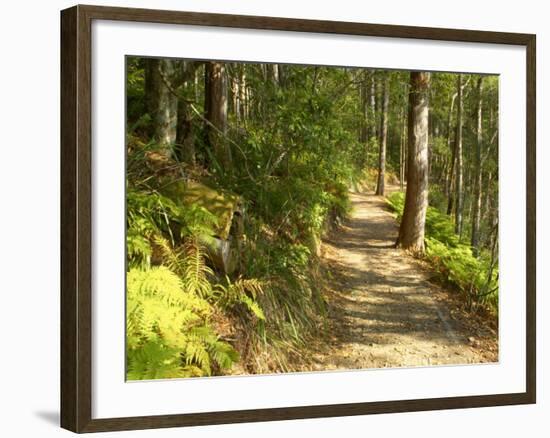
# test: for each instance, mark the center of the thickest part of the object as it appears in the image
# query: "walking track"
(384, 309)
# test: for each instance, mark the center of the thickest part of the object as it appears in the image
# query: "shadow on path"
(384, 311)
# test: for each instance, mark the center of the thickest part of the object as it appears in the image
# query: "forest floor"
(385, 308)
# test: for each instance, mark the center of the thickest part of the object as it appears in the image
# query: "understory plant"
(167, 329)
(476, 277)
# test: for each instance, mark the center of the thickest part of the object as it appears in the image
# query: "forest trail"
(384, 310)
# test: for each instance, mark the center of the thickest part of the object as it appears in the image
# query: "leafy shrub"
(453, 260)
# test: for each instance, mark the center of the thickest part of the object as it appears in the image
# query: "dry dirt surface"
(384, 310)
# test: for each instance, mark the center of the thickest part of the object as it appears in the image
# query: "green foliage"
(153, 218)
(168, 306)
(189, 262)
(454, 260)
(297, 145)
(167, 330)
(244, 292)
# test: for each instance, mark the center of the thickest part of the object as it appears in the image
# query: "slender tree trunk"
(411, 230)
(281, 75)
(449, 176)
(196, 85)
(476, 217)
(216, 112)
(402, 146)
(273, 73)
(364, 125)
(149, 88)
(243, 95)
(459, 191)
(380, 186)
(487, 207)
(377, 104)
(185, 135)
(487, 203)
(369, 110)
(236, 93)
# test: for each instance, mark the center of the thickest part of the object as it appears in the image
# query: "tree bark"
(402, 147)
(273, 73)
(380, 186)
(163, 103)
(459, 195)
(449, 176)
(376, 104)
(364, 102)
(216, 112)
(369, 109)
(476, 215)
(236, 92)
(411, 230)
(185, 135)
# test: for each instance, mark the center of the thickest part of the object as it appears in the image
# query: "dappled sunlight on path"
(384, 310)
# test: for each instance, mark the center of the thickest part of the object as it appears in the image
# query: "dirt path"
(384, 311)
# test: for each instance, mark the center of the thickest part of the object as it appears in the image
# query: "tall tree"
(376, 103)
(476, 214)
(163, 103)
(411, 230)
(402, 147)
(364, 108)
(449, 175)
(459, 180)
(380, 185)
(273, 73)
(215, 105)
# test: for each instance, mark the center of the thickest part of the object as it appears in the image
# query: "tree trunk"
(411, 230)
(185, 136)
(243, 98)
(163, 104)
(236, 92)
(273, 73)
(380, 186)
(459, 167)
(196, 85)
(364, 101)
(369, 110)
(281, 75)
(476, 215)
(449, 176)
(216, 112)
(376, 104)
(402, 146)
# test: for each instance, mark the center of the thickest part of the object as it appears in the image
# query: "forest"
(273, 209)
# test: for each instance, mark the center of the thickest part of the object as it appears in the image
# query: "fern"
(153, 217)
(167, 330)
(189, 262)
(195, 272)
(243, 291)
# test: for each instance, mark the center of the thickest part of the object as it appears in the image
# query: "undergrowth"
(176, 295)
(475, 277)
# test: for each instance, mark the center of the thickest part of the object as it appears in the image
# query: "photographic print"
(298, 218)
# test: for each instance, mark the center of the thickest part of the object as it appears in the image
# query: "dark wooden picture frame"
(76, 218)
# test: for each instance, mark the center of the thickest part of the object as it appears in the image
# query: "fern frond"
(195, 271)
(243, 291)
(166, 330)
